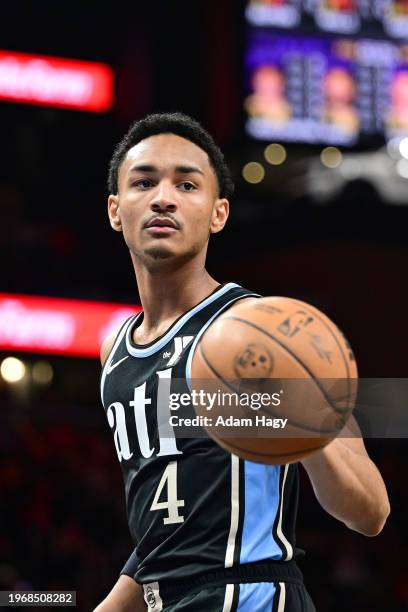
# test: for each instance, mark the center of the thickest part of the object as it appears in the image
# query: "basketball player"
(212, 533)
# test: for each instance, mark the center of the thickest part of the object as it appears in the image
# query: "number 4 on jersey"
(172, 504)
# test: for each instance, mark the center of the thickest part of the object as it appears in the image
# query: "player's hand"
(126, 596)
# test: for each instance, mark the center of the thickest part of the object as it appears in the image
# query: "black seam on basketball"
(292, 422)
(335, 339)
(213, 370)
(343, 411)
(269, 454)
(263, 331)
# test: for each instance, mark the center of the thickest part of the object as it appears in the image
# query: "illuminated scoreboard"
(305, 84)
(389, 17)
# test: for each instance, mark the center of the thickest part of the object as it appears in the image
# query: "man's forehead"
(168, 149)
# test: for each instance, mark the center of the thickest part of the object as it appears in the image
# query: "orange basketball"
(280, 348)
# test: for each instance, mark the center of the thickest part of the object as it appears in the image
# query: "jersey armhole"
(122, 331)
(131, 565)
(202, 330)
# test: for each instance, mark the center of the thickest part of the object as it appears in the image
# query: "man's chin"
(158, 253)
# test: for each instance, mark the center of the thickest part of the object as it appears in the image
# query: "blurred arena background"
(309, 101)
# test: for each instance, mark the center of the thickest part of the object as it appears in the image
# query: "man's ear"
(113, 212)
(219, 215)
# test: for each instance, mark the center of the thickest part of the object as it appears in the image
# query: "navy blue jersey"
(191, 506)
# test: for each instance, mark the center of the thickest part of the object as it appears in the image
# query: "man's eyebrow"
(178, 169)
(143, 168)
(188, 170)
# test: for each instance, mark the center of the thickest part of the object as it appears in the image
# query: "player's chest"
(138, 400)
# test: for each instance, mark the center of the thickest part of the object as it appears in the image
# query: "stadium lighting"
(12, 370)
(331, 157)
(393, 148)
(275, 154)
(403, 148)
(402, 168)
(42, 373)
(60, 326)
(253, 172)
(55, 81)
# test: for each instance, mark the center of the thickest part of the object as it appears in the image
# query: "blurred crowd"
(63, 521)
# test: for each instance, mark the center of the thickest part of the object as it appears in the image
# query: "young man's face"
(167, 204)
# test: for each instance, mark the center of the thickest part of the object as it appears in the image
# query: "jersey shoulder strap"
(203, 319)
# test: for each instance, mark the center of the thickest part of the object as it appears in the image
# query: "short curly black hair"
(181, 125)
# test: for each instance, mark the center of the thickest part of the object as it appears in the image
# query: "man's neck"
(167, 293)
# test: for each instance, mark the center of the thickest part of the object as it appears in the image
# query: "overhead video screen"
(367, 17)
(325, 90)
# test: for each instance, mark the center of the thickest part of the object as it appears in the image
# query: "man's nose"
(164, 198)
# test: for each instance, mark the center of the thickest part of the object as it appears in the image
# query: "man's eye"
(143, 183)
(187, 186)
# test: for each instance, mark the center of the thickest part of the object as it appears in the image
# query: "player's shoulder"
(244, 296)
(109, 342)
(107, 346)
(114, 337)
(244, 299)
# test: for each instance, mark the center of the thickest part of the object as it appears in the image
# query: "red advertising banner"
(53, 81)
(58, 326)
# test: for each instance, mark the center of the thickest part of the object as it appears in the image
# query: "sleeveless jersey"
(191, 506)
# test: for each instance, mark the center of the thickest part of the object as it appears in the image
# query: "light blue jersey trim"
(262, 502)
(256, 597)
(156, 346)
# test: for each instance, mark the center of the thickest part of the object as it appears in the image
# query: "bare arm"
(126, 596)
(348, 485)
(107, 345)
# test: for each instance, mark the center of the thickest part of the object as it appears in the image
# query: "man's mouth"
(162, 225)
(161, 229)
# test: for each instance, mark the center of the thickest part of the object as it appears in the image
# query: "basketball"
(280, 348)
